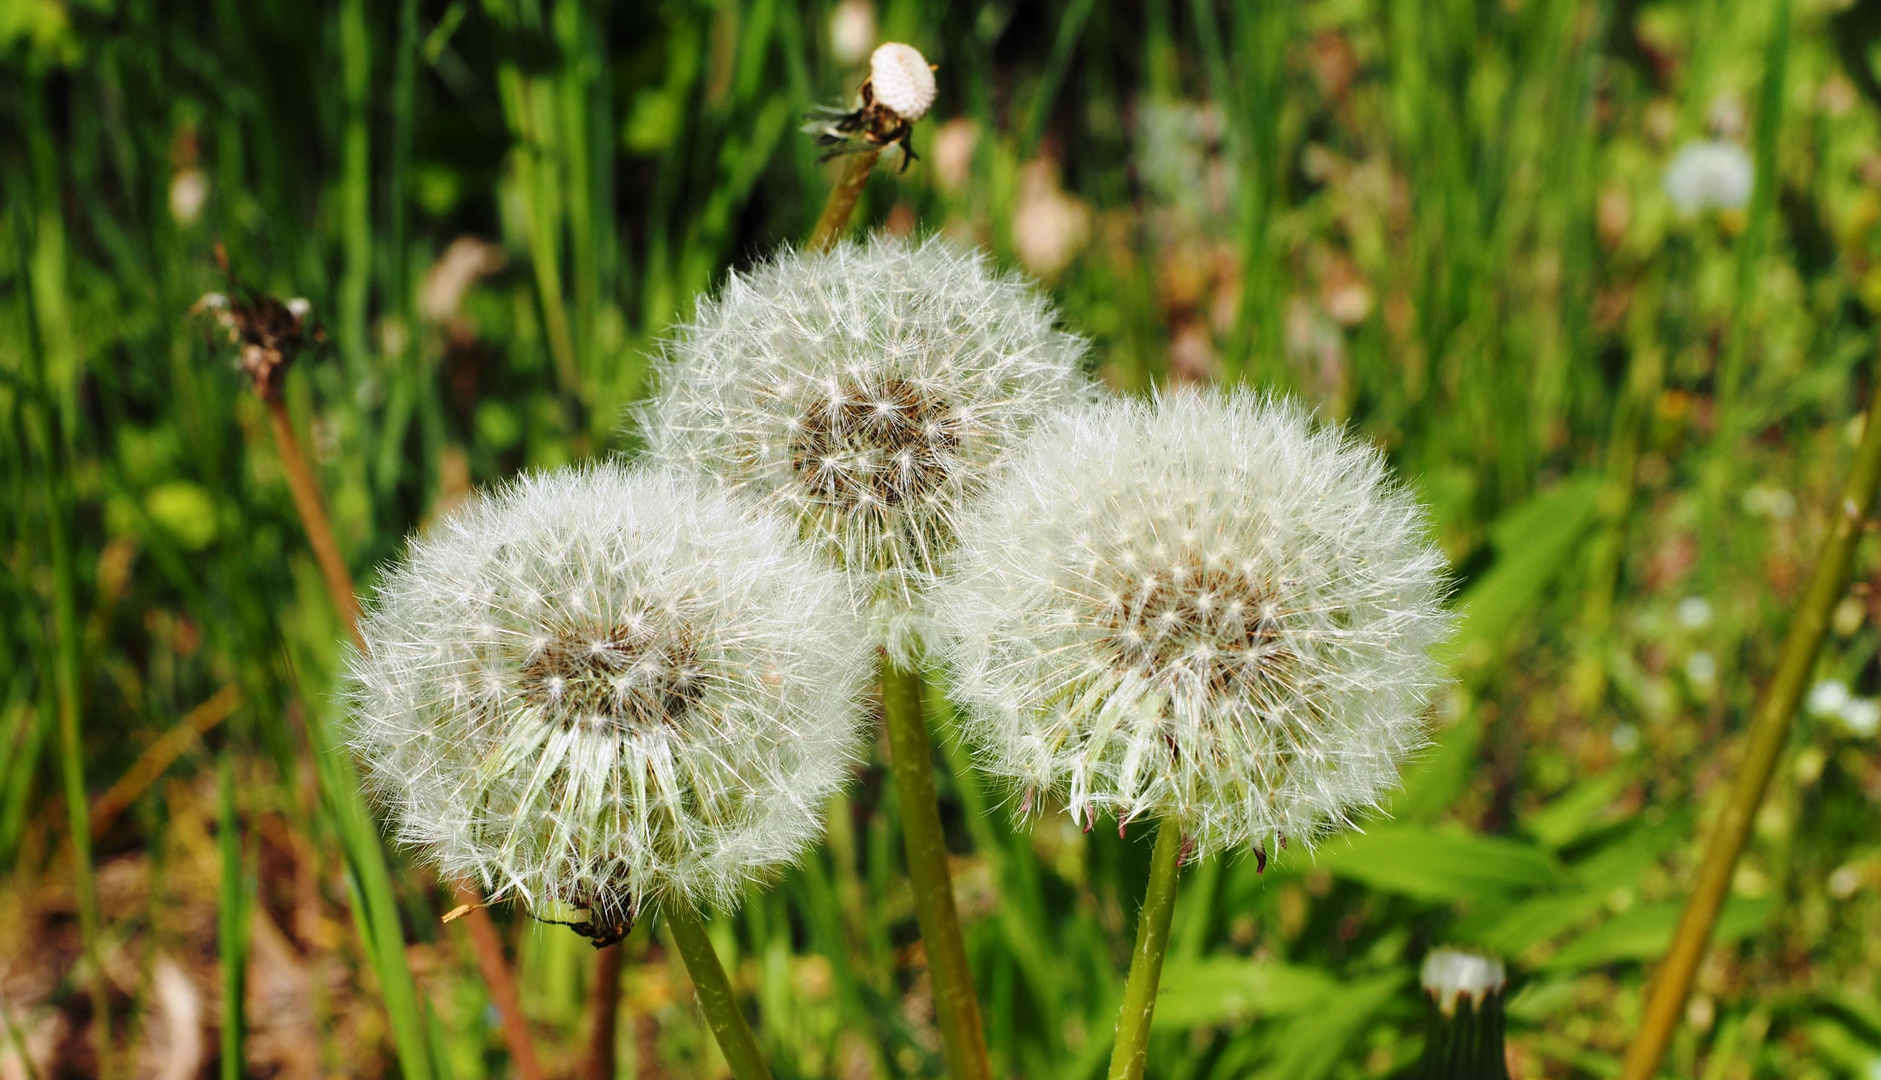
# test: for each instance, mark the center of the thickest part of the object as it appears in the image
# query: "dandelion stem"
(1146, 960)
(313, 516)
(1769, 731)
(842, 199)
(716, 1000)
(305, 488)
(604, 1014)
(955, 1004)
(488, 947)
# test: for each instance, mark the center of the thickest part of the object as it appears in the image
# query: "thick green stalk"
(1769, 731)
(956, 1007)
(716, 999)
(1146, 960)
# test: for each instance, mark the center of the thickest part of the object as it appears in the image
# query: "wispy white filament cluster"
(1196, 608)
(1449, 974)
(1710, 174)
(864, 393)
(607, 688)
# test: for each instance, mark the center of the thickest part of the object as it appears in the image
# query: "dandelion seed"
(1709, 175)
(1196, 609)
(605, 688)
(864, 393)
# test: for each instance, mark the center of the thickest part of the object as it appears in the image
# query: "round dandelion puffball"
(900, 79)
(864, 393)
(1199, 609)
(606, 688)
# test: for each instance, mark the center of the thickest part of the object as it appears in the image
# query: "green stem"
(716, 1000)
(1146, 960)
(955, 1006)
(1769, 731)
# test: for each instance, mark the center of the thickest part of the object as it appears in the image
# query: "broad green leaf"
(1571, 815)
(1228, 990)
(1837, 1043)
(1625, 858)
(1315, 1043)
(1644, 933)
(1534, 921)
(1439, 863)
(1532, 543)
(1434, 780)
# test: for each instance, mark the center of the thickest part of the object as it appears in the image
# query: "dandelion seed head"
(1710, 174)
(864, 393)
(902, 80)
(1198, 609)
(607, 688)
(1449, 974)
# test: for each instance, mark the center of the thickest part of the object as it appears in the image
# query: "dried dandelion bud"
(864, 393)
(605, 688)
(1198, 609)
(902, 80)
(1465, 1040)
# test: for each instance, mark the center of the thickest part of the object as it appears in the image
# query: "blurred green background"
(1440, 221)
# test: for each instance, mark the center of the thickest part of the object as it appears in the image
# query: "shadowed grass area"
(1443, 223)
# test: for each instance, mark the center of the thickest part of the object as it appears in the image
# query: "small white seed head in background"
(606, 688)
(851, 30)
(902, 80)
(1449, 974)
(1198, 609)
(864, 393)
(1711, 174)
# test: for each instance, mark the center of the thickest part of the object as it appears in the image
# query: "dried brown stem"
(488, 947)
(305, 488)
(842, 199)
(603, 1014)
(161, 755)
(1769, 732)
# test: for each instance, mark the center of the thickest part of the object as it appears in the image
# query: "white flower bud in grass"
(1464, 1040)
(902, 80)
(606, 688)
(864, 393)
(1196, 608)
(1449, 974)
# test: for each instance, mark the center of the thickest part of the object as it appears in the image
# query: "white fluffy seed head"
(864, 393)
(1710, 174)
(1449, 974)
(902, 80)
(1196, 608)
(607, 688)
